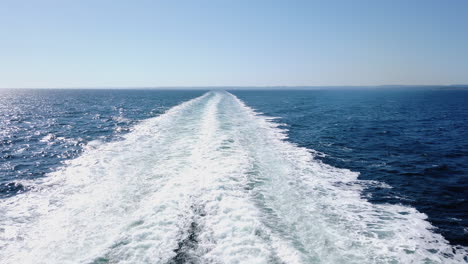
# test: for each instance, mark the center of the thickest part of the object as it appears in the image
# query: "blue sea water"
(415, 141)
(40, 129)
(139, 176)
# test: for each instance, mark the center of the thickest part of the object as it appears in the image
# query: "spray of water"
(209, 181)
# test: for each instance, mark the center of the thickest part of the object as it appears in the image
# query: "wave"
(210, 181)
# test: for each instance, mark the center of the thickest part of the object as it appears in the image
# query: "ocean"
(241, 176)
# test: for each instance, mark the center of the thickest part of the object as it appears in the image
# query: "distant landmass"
(285, 87)
(391, 86)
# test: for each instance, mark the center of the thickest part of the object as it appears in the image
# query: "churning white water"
(209, 181)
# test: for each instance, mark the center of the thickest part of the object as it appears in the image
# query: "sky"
(101, 43)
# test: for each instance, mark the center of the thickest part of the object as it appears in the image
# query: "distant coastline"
(456, 87)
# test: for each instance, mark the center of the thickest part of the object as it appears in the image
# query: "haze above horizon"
(59, 44)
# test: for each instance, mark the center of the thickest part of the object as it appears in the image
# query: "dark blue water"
(40, 129)
(414, 141)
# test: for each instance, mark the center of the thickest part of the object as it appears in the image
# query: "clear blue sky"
(100, 43)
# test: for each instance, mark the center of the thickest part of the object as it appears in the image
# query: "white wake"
(209, 181)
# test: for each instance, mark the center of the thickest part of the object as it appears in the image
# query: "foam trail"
(209, 181)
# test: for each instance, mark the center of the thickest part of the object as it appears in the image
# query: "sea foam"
(209, 181)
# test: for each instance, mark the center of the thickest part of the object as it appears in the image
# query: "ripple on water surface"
(210, 181)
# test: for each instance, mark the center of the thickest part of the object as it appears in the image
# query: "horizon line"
(198, 87)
